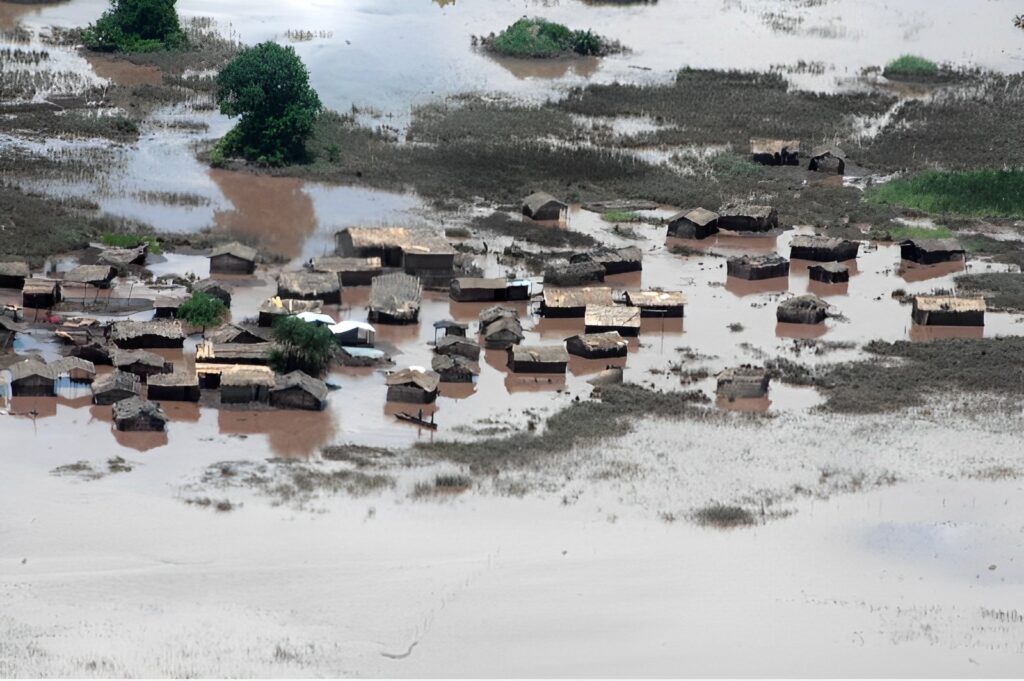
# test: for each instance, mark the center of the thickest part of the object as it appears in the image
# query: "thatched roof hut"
(744, 382)
(75, 368)
(233, 258)
(625, 319)
(395, 299)
(932, 251)
(240, 333)
(31, 378)
(613, 260)
(948, 311)
(573, 302)
(141, 363)
(40, 294)
(597, 345)
(242, 384)
(698, 223)
(458, 345)
(138, 415)
(805, 309)
(748, 218)
(773, 152)
(454, 368)
(822, 248)
(829, 273)
(177, 386)
(544, 206)
(538, 359)
(161, 333)
(122, 257)
(350, 271)
(657, 303)
(234, 353)
(298, 390)
(757, 267)
(320, 286)
(573, 273)
(413, 385)
(13, 274)
(115, 387)
(99, 276)
(217, 289)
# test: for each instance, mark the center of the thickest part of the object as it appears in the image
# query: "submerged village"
(488, 338)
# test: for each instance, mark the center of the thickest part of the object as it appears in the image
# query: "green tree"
(136, 26)
(267, 86)
(203, 310)
(303, 346)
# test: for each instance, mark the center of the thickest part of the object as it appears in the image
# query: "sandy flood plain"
(895, 550)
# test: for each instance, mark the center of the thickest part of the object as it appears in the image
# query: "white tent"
(315, 318)
(350, 332)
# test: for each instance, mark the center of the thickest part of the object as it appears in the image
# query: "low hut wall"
(230, 264)
(295, 398)
(949, 317)
(410, 394)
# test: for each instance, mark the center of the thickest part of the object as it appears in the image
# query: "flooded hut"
(757, 267)
(932, 251)
(135, 414)
(613, 260)
(141, 363)
(274, 308)
(544, 206)
(743, 382)
(597, 345)
(395, 299)
(167, 307)
(212, 287)
(748, 218)
(115, 387)
(805, 309)
(177, 386)
(299, 390)
(574, 273)
(31, 378)
(413, 385)
(74, 368)
(698, 223)
(831, 160)
(458, 345)
(254, 354)
(240, 333)
(657, 303)
(822, 248)
(948, 311)
(350, 271)
(451, 327)
(233, 258)
(13, 274)
(320, 286)
(453, 368)
(625, 319)
(98, 352)
(417, 251)
(161, 333)
(772, 152)
(573, 302)
(350, 356)
(99, 276)
(123, 257)
(500, 327)
(8, 329)
(40, 294)
(538, 359)
(241, 384)
(353, 333)
(481, 290)
(829, 273)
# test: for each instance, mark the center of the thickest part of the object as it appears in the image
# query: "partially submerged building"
(453, 368)
(757, 267)
(135, 414)
(612, 260)
(123, 257)
(482, 290)
(698, 223)
(538, 359)
(299, 390)
(829, 273)
(254, 354)
(353, 333)
(13, 274)
(932, 251)
(748, 218)
(212, 287)
(822, 248)
(831, 160)
(573, 302)
(395, 299)
(744, 382)
(948, 311)
(40, 294)
(242, 384)
(574, 273)
(74, 368)
(233, 258)
(500, 327)
(597, 345)
(99, 276)
(413, 385)
(657, 303)
(805, 309)
(451, 327)
(417, 251)
(350, 271)
(166, 307)
(275, 308)
(177, 386)
(141, 363)
(458, 345)
(161, 333)
(115, 387)
(240, 333)
(321, 286)
(624, 319)
(544, 206)
(31, 378)
(773, 152)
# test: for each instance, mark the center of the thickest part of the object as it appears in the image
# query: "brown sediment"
(805, 331)
(824, 290)
(580, 366)
(534, 383)
(290, 433)
(550, 69)
(457, 391)
(912, 272)
(924, 334)
(758, 405)
(140, 442)
(742, 287)
(121, 71)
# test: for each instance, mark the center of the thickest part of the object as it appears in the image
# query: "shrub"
(621, 216)
(541, 38)
(131, 241)
(136, 26)
(203, 310)
(302, 346)
(719, 515)
(910, 65)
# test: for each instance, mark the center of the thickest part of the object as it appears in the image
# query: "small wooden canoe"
(423, 423)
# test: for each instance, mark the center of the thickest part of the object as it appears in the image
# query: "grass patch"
(1002, 290)
(120, 240)
(897, 232)
(971, 193)
(543, 235)
(621, 216)
(543, 39)
(910, 65)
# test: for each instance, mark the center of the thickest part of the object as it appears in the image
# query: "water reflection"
(549, 69)
(290, 433)
(912, 272)
(923, 334)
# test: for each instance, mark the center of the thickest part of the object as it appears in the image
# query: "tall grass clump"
(910, 65)
(969, 193)
(719, 515)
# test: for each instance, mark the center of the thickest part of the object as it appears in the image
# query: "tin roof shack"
(413, 386)
(350, 271)
(770, 152)
(274, 308)
(597, 345)
(544, 206)
(138, 415)
(240, 333)
(123, 257)
(99, 276)
(353, 333)
(657, 303)
(167, 307)
(622, 318)
(214, 288)
(141, 363)
(573, 302)
(298, 390)
(613, 260)
(74, 368)
(233, 258)
(500, 327)
(395, 299)
(744, 382)
(538, 359)
(829, 273)
(241, 384)
(162, 333)
(253, 354)
(748, 218)
(31, 378)
(458, 346)
(573, 273)
(757, 267)
(948, 311)
(309, 286)
(453, 368)
(451, 327)
(932, 251)
(822, 248)
(115, 387)
(806, 309)
(698, 223)
(40, 294)
(480, 290)
(831, 160)
(13, 275)
(178, 386)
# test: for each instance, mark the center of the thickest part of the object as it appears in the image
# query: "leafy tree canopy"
(202, 309)
(268, 87)
(136, 26)
(303, 346)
